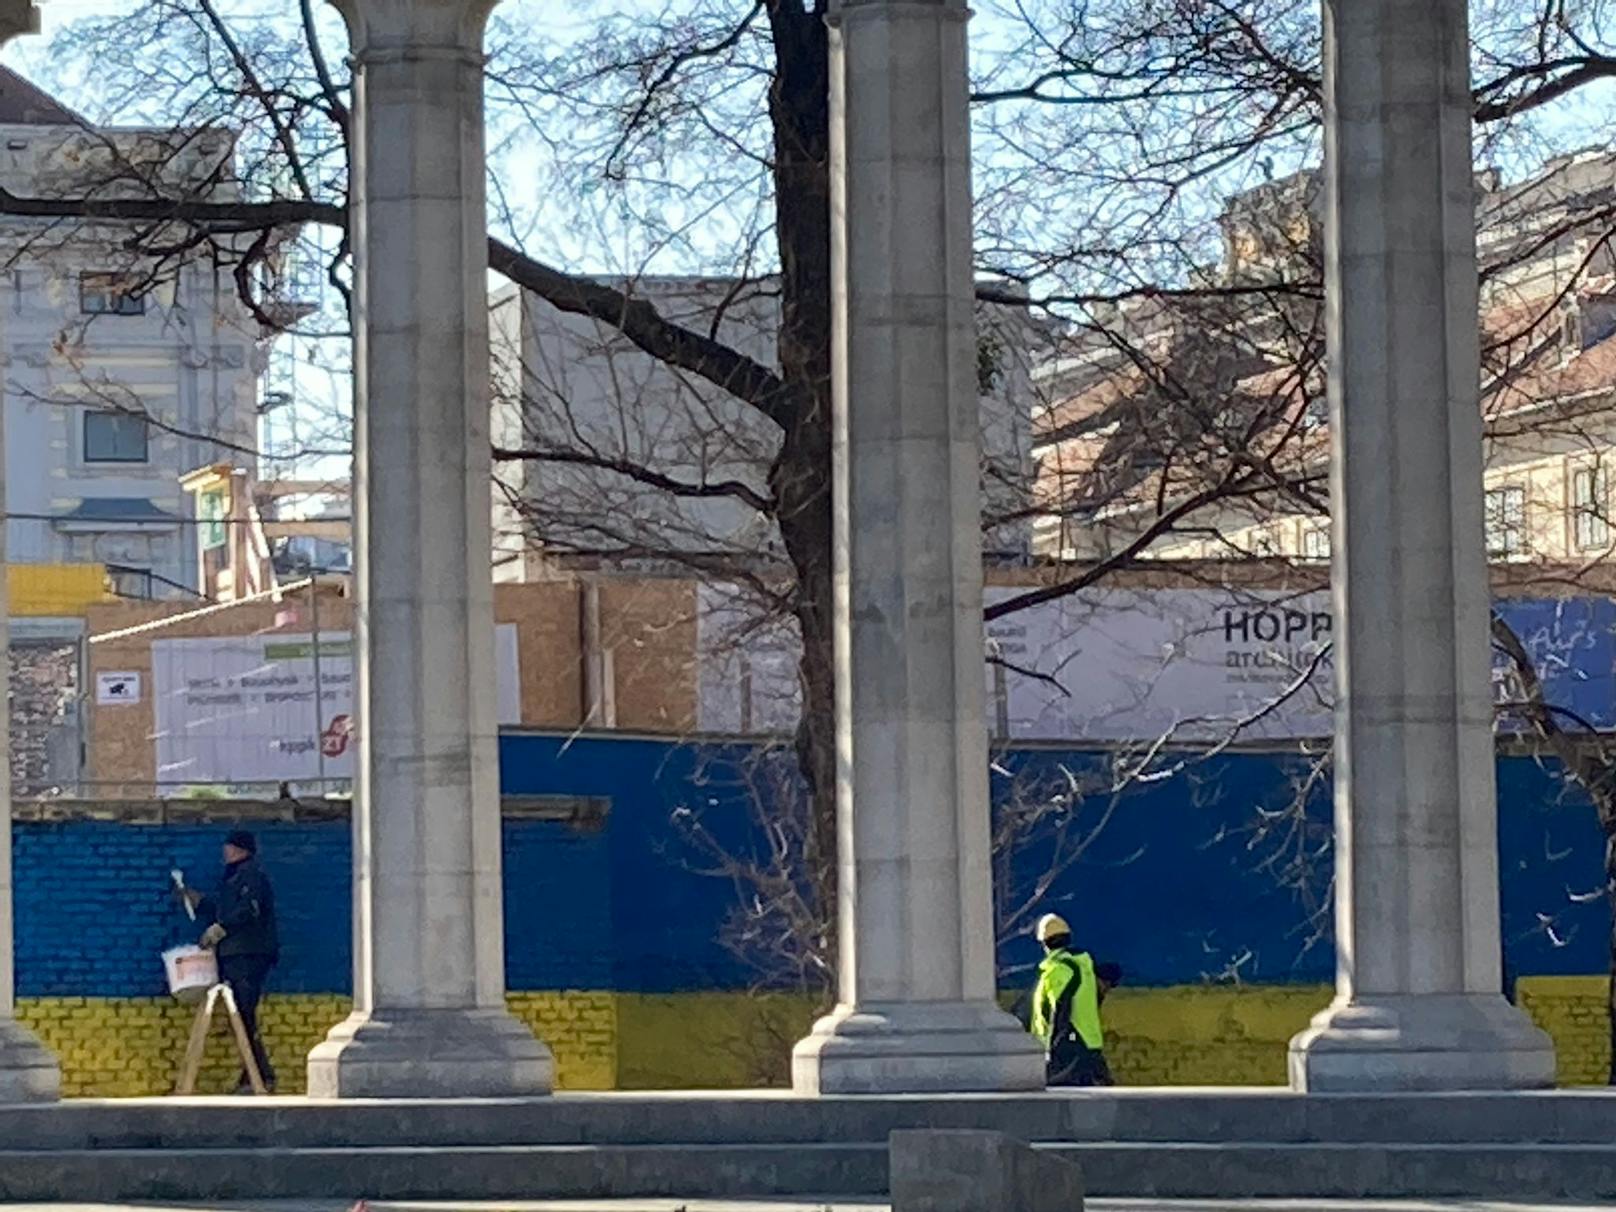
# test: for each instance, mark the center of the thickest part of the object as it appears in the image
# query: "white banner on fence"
(1188, 664)
(1108, 665)
(240, 710)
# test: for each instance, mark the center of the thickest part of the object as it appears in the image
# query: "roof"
(118, 510)
(23, 103)
(1110, 472)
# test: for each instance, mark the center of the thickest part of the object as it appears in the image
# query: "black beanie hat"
(242, 840)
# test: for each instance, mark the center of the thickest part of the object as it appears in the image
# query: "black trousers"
(1074, 1063)
(246, 976)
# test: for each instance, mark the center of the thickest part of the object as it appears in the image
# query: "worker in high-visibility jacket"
(1066, 1010)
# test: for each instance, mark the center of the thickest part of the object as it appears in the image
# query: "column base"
(430, 1054)
(28, 1071)
(917, 1048)
(1421, 1042)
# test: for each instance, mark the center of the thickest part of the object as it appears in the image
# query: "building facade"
(625, 459)
(123, 372)
(1149, 446)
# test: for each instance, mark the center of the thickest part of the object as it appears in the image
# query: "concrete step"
(1141, 1116)
(1169, 1170)
(511, 1172)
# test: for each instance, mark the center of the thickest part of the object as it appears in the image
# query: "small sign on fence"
(112, 689)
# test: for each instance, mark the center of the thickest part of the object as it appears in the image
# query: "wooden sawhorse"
(199, 1041)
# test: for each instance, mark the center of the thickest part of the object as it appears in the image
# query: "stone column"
(429, 983)
(28, 1073)
(1418, 1004)
(917, 1009)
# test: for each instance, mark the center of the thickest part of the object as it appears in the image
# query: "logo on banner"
(334, 740)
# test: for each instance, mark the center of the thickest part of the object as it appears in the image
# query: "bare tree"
(1109, 135)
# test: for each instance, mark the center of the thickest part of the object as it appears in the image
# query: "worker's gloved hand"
(212, 935)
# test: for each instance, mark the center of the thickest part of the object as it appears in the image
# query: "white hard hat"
(1051, 925)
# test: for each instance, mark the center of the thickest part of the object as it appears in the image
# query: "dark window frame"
(1590, 498)
(102, 293)
(117, 417)
(1504, 511)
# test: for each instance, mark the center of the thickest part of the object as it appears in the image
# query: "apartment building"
(628, 462)
(123, 372)
(1141, 440)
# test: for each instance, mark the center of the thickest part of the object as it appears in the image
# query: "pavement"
(811, 1205)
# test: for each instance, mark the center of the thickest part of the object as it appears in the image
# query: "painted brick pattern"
(94, 909)
(581, 1029)
(124, 1047)
(558, 931)
(1190, 1035)
(127, 1047)
(1572, 1010)
(1196, 1035)
(617, 944)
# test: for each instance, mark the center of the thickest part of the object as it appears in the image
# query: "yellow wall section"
(582, 1031)
(55, 589)
(1190, 1035)
(708, 1040)
(1572, 1010)
(1206, 1035)
(121, 1047)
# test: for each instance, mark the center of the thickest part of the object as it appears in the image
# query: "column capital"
(17, 17)
(381, 26)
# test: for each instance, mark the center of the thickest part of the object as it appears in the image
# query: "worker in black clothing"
(244, 937)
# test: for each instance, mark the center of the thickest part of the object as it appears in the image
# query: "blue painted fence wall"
(1203, 875)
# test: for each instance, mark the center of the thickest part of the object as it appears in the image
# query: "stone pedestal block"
(964, 1171)
(876, 1048)
(430, 1054)
(1422, 1042)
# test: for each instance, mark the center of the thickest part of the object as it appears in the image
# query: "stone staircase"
(1134, 1143)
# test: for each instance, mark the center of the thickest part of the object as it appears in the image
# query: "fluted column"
(917, 1009)
(28, 1073)
(429, 1010)
(1418, 1003)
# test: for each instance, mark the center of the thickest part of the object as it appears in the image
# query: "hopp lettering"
(1270, 625)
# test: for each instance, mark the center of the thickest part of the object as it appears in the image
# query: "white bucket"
(192, 971)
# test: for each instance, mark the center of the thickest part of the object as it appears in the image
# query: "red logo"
(334, 740)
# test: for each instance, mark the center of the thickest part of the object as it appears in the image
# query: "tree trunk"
(815, 744)
(799, 107)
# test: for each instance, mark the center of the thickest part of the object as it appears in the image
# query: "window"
(212, 516)
(1506, 521)
(1316, 543)
(104, 294)
(1589, 499)
(114, 437)
(1571, 334)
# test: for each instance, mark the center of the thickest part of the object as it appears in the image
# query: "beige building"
(1198, 430)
